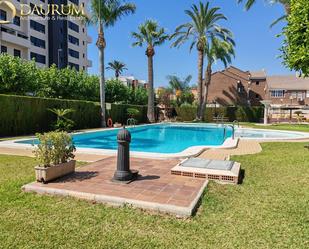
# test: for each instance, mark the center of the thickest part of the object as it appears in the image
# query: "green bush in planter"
(54, 148)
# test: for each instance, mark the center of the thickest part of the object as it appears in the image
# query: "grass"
(269, 210)
(289, 127)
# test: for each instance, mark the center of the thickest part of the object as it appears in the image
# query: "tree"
(296, 44)
(217, 49)
(150, 35)
(180, 88)
(137, 96)
(118, 67)
(104, 14)
(202, 27)
(116, 92)
(285, 3)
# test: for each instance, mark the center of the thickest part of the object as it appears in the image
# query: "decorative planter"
(45, 175)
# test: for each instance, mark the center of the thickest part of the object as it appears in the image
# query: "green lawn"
(289, 127)
(269, 210)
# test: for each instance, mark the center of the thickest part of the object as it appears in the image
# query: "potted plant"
(55, 154)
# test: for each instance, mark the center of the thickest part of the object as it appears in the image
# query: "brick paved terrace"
(156, 189)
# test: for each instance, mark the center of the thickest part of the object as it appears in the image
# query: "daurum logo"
(9, 5)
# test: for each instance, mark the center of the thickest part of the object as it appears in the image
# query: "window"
(4, 49)
(16, 20)
(307, 94)
(277, 93)
(240, 87)
(37, 26)
(3, 16)
(257, 83)
(73, 40)
(17, 53)
(73, 26)
(73, 53)
(37, 42)
(38, 58)
(257, 96)
(73, 65)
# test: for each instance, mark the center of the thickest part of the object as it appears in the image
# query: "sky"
(257, 45)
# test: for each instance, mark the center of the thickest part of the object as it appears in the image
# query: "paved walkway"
(245, 147)
(156, 189)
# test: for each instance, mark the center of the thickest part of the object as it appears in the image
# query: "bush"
(21, 115)
(18, 76)
(120, 114)
(133, 113)
(240, 113)
(296, 43)
(54, 148)
(62, 123)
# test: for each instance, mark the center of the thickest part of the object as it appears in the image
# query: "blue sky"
(257, 46)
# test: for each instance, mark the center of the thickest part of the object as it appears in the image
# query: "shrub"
(133, 113)
(240, 113)
(54, 148)
(62, 122)
(21, 115)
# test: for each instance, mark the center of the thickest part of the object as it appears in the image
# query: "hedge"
(240, 113)
(22, 115)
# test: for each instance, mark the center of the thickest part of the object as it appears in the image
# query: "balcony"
(15, 37)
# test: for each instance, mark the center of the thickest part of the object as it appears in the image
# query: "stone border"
(179, 211)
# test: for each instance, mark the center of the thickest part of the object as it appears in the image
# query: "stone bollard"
(123, 172)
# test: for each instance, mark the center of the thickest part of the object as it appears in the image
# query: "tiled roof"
(288, 82)
(258, 74)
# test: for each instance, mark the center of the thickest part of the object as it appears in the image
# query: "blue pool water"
(162, 138)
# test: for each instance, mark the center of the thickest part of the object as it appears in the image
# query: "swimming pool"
(168, 139)
(162, 138)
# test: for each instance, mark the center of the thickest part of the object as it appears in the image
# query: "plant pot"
(45, 175)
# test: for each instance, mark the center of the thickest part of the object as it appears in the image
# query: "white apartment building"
(131, 81)
(60, 41)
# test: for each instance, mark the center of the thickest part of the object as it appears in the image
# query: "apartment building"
(60, 40)
(131, 81)
(234, 86)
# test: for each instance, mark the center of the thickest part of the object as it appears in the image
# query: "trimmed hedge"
(240, 113)
(21, 115)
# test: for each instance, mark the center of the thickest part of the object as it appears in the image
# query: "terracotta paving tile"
(155, 183)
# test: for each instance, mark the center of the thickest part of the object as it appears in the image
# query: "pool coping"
(192, 151)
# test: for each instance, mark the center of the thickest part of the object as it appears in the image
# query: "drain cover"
(207, 164)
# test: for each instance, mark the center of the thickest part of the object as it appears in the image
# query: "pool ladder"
(131, 122)
(233, 129)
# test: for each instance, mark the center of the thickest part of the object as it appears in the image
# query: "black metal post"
(123, 172)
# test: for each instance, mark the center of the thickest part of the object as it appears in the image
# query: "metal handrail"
(236, 121)
(233, 130)
(131, 122)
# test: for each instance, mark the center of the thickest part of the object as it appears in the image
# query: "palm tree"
(285, 3)
(117, 66)
(222, 50)
(151, 35)
(177, 85)
(203, 26)
(104, 14)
